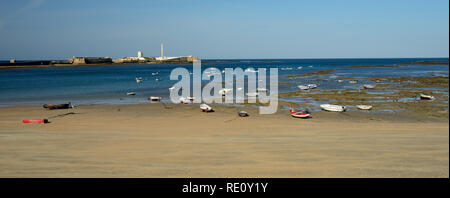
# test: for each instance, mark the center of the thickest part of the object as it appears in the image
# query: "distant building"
(132, 59)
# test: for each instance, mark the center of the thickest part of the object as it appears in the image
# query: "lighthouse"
(162, 51)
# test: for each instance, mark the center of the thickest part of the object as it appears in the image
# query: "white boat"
(205, 108)
(155, 73)
(184, 100)
(155, 98)
(426, 97)
(299, 67)
(312, 86)
(131, 93)
(303, 87)
(158, 79)
(242, 113)
(261, 89)
(310, 66)
(224, 91)
(250, 70)
(252, 94)
(369, 86)
(364, 107)
(191, 99)
(353, 81)
(330, 107)
(340, 81)
(286, 68)
(139, 80)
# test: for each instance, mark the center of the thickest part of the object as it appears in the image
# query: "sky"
(224, 29)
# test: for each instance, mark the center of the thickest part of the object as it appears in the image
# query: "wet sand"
(180, 141)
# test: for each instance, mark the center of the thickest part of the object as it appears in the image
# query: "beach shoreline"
(174, 140)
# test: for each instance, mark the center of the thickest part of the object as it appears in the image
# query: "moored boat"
(303, 87)
(205, 108)
(330, 107)
(353, 81)
(58, 106)
(369, 86)
(364, 107)
(426, 97)
(131, 93)
(299, 112)
(155, 98)
(242, 113)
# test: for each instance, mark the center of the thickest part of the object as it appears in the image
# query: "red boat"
(35, 121)
(299, 113)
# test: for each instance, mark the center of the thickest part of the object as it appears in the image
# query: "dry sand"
(181, 141)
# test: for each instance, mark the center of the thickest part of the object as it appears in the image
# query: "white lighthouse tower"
(140, 54)
(162, 51)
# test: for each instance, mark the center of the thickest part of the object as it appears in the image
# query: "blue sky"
(58, 29)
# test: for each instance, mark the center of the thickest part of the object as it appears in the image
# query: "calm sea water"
(109, 84)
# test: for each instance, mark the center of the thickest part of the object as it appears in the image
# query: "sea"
(108, 85)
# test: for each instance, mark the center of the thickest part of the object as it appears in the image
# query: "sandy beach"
(157, 140)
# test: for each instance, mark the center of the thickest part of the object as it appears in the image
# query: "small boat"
(36, 121)
(312, 86)
(353, 81)
(426, 97)
(223, 92)
(205, 108)
(330, 107)
(299, 67)
(369, 86)
(299, 112)
(184, 100)
(191, 99)
(250, 70)
(261, 89)
(155, 98)
(286, 68)
(242, 114)
(131, 93)
(139, 80)
(310, 66)
(159, 79)
(155, 73)
(364, 107)
(252, 94)
(58, 106)
(303, 87)
(339, 81)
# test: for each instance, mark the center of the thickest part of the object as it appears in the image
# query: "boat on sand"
(205, 108)
(330, 107)
(155, 98)
(364, 107)
(58, 106)
(242, 114)
(303, 87)
(369, 86)
(426, 97)
(299, 112)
